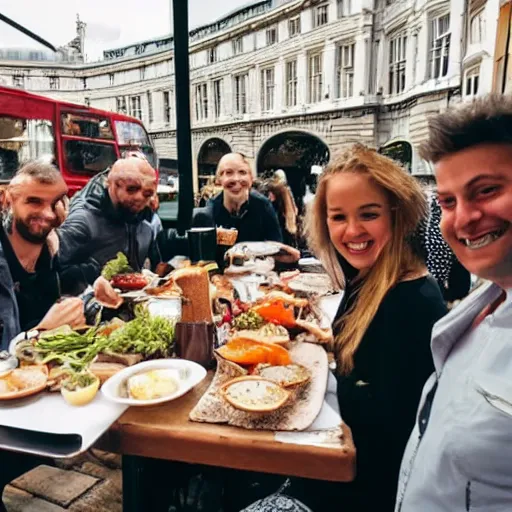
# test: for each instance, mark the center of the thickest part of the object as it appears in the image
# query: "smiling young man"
(459, 456)
(237, 206)
(29, 282)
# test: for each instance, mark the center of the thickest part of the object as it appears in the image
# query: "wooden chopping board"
(299, 415)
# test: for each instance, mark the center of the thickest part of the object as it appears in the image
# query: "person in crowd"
(453, 279)
(237, 206)
(360, 223)
(30, 288)
(462, 440)
(110, 218)
(282, 200)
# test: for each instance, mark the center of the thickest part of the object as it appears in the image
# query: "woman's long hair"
(397, 259)
(284, 204)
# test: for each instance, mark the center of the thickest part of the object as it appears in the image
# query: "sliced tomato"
(129, 281)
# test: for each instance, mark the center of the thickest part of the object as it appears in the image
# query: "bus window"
(84, 157)
(86, 126)
(22, 140)
(134, 136)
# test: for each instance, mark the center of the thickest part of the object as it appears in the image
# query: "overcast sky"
(112, 23)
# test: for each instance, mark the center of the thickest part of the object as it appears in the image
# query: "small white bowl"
(193, 375)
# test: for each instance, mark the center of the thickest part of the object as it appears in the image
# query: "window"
(91, 127)
(345, 70)
(344, 8)
(142, 73)
(150, 106)
(18, 81)
(477, 28)
(291, 83)
(397, 56)
(217, 98)
(241, 82)
(32, 138)
(267, 89)
(238, 46)
(271, 36)
(315, 77)
(133, 135)
(202, 102)
(135, 108)
(121, 105)
(212, 55)
(54, 83)
(472, 81)
(167, 106)
(439, 51)
(84, 157)
(320, 16)
(294, 26)
(111, 79)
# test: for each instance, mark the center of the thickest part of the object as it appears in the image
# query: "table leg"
(133, 484)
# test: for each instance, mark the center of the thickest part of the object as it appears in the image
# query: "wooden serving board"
(298, 415)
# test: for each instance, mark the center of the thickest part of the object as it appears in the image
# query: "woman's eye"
(338, 217)
(487, 190)
(447, 204)
(370, 216)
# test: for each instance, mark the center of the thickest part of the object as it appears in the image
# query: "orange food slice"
(276, 312)
(249, 352)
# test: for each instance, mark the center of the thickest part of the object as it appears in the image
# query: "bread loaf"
(195, 286)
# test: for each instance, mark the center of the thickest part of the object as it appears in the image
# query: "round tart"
(254, 394)
(287, 376)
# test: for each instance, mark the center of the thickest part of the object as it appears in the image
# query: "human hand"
(69, 311)
(105, 294)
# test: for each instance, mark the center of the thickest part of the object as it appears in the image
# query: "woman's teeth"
(483, 241)
(358, 247)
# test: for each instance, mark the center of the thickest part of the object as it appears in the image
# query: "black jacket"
(256, 222)
(95, 232)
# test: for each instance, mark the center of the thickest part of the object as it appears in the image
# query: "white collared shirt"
(463, 460)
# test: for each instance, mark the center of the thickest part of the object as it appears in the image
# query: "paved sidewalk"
(89, 483)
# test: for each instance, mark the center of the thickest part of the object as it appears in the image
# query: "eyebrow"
(370, 205)
(474, 181)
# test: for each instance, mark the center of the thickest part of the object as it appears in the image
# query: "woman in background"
(284, 205)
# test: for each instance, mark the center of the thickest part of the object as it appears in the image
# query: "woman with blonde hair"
(360, 226)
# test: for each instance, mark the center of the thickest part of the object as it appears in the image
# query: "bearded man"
(110, 217)
(30, 287)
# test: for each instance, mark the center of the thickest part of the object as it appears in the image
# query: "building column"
(329, 71)
(302, 78)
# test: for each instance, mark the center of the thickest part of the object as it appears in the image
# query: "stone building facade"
(334, 71)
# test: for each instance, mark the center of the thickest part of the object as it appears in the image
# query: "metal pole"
(26, 31)
(183, 127)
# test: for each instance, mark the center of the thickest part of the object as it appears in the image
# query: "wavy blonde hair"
(285, 204)
(397, 260)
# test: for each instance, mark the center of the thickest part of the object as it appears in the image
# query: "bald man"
(238, 206)
(30, 287)
(111, 216)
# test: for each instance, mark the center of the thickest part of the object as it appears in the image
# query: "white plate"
(257, 248)
(195, 374)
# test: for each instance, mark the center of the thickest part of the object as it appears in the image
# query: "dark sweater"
(256, 222)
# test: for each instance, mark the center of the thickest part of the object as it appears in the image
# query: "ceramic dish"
(186, 373)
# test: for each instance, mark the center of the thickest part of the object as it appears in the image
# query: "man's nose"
(48, 213)
(465, 215)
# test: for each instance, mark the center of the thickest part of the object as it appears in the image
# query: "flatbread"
(298, 415)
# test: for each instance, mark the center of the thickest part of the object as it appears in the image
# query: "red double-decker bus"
(79, 140)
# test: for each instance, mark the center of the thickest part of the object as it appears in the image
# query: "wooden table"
(165, 432)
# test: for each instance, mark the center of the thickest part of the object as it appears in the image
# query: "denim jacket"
(459, 455)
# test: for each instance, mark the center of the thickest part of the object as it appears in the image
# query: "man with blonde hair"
(238, 206)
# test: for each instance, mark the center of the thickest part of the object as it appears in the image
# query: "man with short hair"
(29, 282)
(459, 456)
(110, 217)
(237, 206)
